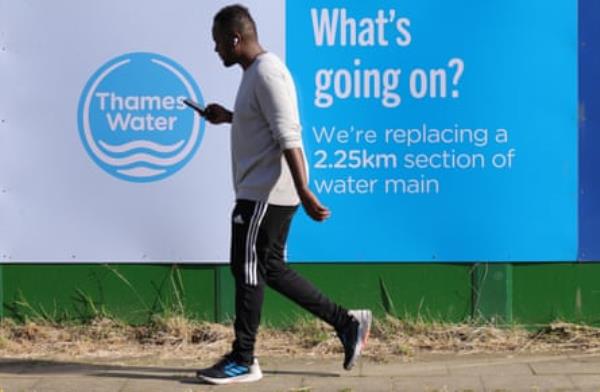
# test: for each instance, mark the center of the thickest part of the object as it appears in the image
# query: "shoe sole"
(231, 380)
(364, 317)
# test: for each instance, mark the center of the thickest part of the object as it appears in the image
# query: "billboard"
(99, 160)
(439, 131)
(434, 131)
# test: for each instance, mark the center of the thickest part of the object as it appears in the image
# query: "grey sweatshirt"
(265, 123)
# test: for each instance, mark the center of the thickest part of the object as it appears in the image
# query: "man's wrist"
(303, 191)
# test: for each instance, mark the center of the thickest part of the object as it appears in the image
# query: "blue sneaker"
(229, 371)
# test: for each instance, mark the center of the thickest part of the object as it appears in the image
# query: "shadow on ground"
(184, 375)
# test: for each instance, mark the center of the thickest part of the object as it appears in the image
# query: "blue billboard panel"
(437, 131)
(589, 160)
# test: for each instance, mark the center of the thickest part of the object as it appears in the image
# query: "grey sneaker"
(354, 336)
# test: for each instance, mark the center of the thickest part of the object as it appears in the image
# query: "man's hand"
(313, 206)
(217, 114)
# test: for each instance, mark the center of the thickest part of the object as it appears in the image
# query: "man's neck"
(253, 51)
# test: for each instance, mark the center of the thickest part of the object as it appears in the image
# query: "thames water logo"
(132, 119)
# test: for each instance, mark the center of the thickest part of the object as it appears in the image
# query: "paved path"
(424, 373)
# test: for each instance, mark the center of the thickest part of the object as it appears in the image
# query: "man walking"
(270, 180)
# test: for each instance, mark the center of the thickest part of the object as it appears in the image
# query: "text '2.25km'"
(354, 159)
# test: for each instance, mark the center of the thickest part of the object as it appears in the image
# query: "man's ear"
(237, 38)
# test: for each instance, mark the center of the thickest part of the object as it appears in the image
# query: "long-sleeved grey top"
(265, 123)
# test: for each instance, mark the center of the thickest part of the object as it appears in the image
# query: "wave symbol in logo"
(132, 119)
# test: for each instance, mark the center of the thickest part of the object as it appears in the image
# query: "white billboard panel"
(99, 159)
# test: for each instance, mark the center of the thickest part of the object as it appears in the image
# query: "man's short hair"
(236, 18)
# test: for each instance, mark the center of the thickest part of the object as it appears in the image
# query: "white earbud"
(235, 41)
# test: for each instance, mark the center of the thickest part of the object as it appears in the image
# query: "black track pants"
(259, 234)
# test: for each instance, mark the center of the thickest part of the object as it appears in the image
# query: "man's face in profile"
(224, 45)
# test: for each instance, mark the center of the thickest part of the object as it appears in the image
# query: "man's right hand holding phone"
(214, 113)
(217, 114)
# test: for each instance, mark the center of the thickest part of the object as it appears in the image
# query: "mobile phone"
(194, 105)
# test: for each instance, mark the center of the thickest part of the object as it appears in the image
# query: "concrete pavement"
(446, 372)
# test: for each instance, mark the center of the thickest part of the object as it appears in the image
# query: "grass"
(308, 331)
(176, 336)
(169, 301)
(169, 329)
(386, 299)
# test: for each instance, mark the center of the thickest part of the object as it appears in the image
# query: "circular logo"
(132, 119)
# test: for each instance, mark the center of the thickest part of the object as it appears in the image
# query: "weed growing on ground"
(176, 336)
(169, 329)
